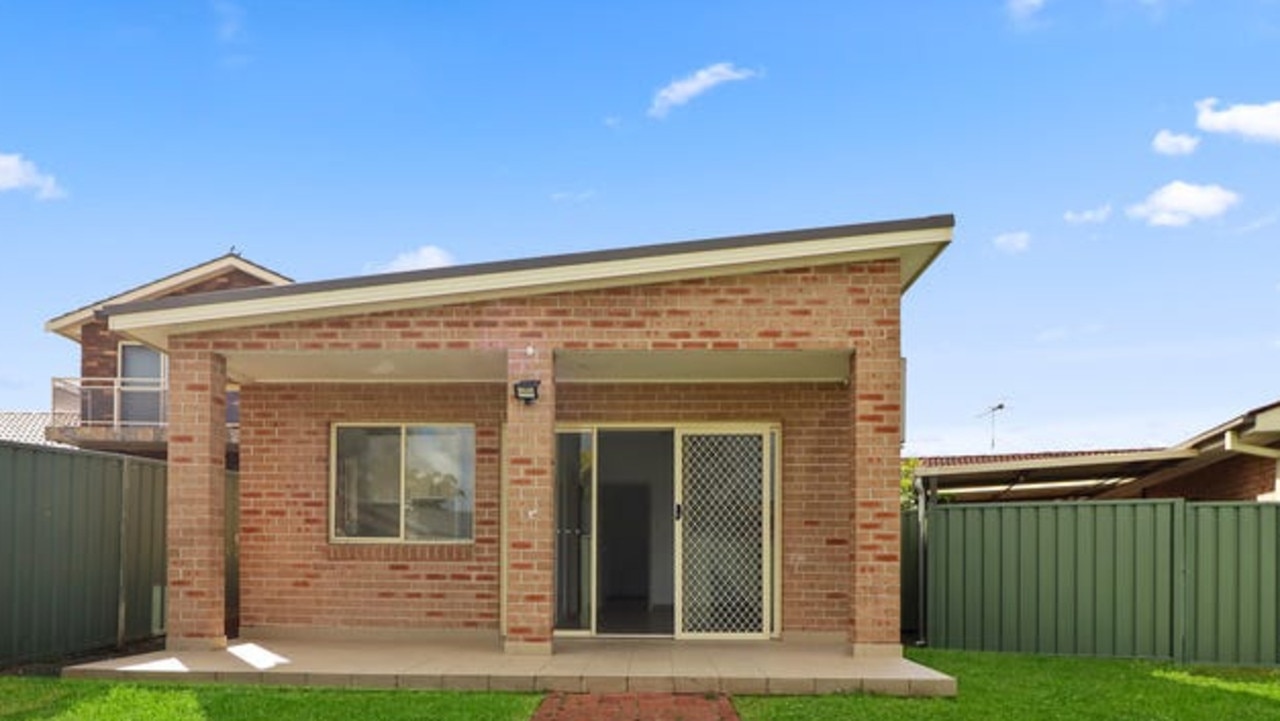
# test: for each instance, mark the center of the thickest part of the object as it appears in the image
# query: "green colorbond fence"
(1157, 579)
(910, 576)
(1232, 552)
(81, 550)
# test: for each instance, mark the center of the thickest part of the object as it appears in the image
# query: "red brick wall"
(1242, 478)
(292, 576)
(815, 505)
(841, 494)
(99, 347)
(195, 499)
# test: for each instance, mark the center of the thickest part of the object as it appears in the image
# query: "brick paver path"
(635, 707)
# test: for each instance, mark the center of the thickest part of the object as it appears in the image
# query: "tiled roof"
(28, 427)
(960, 461)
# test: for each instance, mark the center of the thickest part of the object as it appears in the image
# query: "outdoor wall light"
(526, 390)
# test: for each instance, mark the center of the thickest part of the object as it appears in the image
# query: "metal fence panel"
(910, 576)
(82, 551)
(144, 562)
(59, 545)
(1233, 557)
(1093, 579)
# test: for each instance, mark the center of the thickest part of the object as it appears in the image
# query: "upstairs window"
(142, 384)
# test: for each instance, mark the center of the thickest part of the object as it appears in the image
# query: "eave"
(915, 242)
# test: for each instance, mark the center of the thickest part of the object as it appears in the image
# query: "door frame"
(767, 512)
(772, 588)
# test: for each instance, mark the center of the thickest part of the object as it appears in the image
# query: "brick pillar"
(196, 507)
(874, 593)
(529, 506)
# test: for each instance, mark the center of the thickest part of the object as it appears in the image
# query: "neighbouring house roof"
(1097, 473)
(1057, 474)
(28, 426)
(915, 242)
(69, 324)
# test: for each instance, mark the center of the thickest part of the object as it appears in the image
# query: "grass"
(992, 687)
(1005, 686)
(50, 699)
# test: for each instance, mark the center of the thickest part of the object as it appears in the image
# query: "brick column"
(874, 593)
(196, 507)
(529, 507)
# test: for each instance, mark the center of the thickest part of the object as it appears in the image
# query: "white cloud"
(428, 256)
(18, 173)
(1015, 242)
(1170, 143)
(572, 196)
(1253, 122)
(1023, 10)
(1092, 215)
(613, 121)
(230, 21)
(689, 87)
(1179, 203)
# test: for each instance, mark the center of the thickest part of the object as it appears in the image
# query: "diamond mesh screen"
(723, 534)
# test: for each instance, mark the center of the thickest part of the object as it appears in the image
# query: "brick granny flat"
(413, 445)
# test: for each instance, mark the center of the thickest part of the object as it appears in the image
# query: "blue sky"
(1114, 167)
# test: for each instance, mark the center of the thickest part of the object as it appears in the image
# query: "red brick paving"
(635, 707)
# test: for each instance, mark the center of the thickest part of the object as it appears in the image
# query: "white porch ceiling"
(697, 366)
(358, 366)
(571, 366)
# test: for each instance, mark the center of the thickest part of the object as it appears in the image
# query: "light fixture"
(526, 390)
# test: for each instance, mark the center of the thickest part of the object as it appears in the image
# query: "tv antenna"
(990, 413)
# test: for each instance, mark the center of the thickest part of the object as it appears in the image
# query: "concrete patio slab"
(577, 666)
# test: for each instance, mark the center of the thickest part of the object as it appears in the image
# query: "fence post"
(922, 559)
(1181, 584)
(122, 602)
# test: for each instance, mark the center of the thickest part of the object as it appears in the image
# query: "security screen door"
(723, 534)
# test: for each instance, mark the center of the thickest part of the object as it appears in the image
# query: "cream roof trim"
(917, 243)
(68, 324)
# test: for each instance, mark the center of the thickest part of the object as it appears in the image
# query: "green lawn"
(1003, 686)
(992, 687)
(51, 699)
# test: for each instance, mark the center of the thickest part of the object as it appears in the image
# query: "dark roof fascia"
(535, 263)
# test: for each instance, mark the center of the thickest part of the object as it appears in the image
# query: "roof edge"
(68, 324)
(933, 222)
(1082, 460)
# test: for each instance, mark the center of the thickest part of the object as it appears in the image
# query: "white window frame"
(164, 360)
(142, 385)
(401, 539)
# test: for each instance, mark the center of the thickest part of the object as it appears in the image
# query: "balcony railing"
(120, 402)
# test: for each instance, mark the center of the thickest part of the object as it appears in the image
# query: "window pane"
(141, 396)
(139, 361)
(367, 487)
(439, 482)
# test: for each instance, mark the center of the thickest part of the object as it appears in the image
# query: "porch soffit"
(571, 366)
(406, 366)
(697, 366)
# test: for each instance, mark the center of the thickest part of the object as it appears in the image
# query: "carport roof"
(1044, 475)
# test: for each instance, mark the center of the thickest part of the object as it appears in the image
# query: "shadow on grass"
(44, 699)
(1010, 686)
